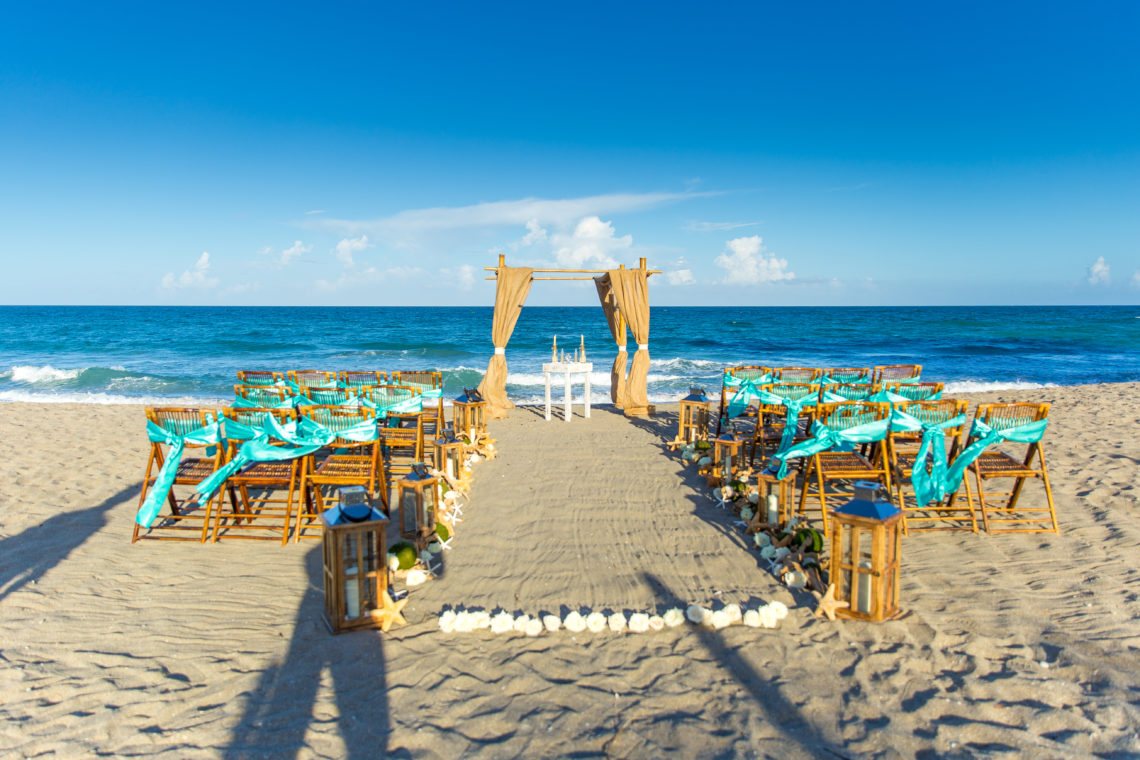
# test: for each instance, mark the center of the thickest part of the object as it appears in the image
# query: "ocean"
(188, 355)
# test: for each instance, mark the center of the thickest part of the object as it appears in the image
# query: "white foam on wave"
(31, 397)
(981, 386)
(27, 373)
(679, 363)
(596, 378)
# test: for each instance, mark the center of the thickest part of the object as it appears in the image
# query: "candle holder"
(469, 415)
(728, 459)
(693, 418)
(777, 495)
(449, 458)
(355, 573)
(866, 539)
(417, 495)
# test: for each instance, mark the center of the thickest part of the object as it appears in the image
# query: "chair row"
(893, 461)
(430, 379)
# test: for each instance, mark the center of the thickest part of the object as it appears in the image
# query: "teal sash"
(987, 436)
(929, 475)
(824, 438)
(164, 481)
(837, 378)
(748, 390)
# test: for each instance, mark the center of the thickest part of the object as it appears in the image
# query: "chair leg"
(145, 488)
(1048, 493)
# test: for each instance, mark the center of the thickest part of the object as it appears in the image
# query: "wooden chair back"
(259, 377)
(337, 418)
(915, 391)
(850, 391)
(252, 418)
(327, 396)
(752, 372)
(888, 373)
(312, 377)
(361, 378)
(850, 375)
(1002, 416)
(263, 395)
(385, 396)
(179, 420)
(796, 374)
(844, 415)
(423, 379)
(932, 412)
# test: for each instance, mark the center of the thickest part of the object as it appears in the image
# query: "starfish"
(676, 443)
(390, 612)
(828, 604)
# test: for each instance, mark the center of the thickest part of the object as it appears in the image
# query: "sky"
(755, 153)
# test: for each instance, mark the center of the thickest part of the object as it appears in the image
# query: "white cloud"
(371, 275)
(1098, 272)
(680, 277)
(1136, 279)
(592, 243)
(463, 276)
(349, 246)
(695, 226)
(746, 262)
(293, 252)
(526, 211)
(198, 277)
(534, 234)
(315, 211)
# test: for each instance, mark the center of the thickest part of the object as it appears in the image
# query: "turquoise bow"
(206, 435)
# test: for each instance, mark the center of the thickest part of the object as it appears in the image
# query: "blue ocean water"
(126, 354)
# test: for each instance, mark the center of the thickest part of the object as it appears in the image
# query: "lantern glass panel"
(408, 511)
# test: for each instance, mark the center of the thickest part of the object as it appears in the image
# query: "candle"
(554, 350)
(863, 599)
(773, 509)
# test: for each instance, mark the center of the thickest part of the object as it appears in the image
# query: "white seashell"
(767, 617)
(416, 577)
(447, 621)
(503, 622)
(520, 623)
(762, 539)
(574, 622)
(534, 627)
(695, 613)
(552, 622)
(719, 619)
(779, 609)
(752, 619)
(638, 622)
(733, 612)
(674, 617)
(656, 622)
(794, 579)
(617, 622)
(596, 622)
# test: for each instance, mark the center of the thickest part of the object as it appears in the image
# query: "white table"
(567, 370)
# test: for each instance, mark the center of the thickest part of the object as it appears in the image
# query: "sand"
(1013, 645)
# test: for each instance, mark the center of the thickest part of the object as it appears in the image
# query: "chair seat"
(344, 466)
(998, 462)
(831, 462)
(193, 471)
(265, 472)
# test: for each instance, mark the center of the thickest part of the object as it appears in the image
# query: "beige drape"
(511, 289)
(631, 292)
(618, 392)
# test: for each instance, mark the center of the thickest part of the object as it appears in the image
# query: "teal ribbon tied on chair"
(397, 403)
(825, 438)
(748, 390)
(930, 476)
(254, 403)
(845, 378)
(206, 435)
(987, 436)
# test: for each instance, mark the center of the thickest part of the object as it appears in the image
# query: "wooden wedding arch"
(624, 295)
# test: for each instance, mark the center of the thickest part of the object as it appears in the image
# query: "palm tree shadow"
(27, 556)
(279, 710)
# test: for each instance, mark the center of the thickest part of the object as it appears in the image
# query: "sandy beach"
(1012, 645)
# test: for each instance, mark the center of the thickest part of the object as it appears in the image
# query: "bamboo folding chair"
(312, 377)
(259, 377)
(349, 463)
(754, 373)
(850, 375)
(950, 513)
(386, 396)
(328, 396)
(916, 391)
(771, 419)
(994, 464)
(361, 379)
(254, 514)
(849, 391)
(828, 466)
(796, 374)
(886, 374)
(426, 380)
(191, 471)
(265, 396)
(402, 443)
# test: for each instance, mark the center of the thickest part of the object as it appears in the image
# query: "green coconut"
(703, 445)
(404, 553)
(739, 486)
(442, 531)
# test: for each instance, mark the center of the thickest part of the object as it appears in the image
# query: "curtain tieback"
(642, 346)
(500, 351)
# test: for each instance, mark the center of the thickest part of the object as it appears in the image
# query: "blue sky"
(783, 153)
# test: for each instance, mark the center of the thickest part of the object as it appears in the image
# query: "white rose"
(762, 539)
(551, 622)
(794, 579)
(720, 619)
(767, 617)
(617, 622)
(656, 622)
(447, 621)
(695, 613)
(393, 563)
(463, 622)
(779, 609)
(520, 623)
(596, 622)
(674, 617)
(534, 627)
(733, 612)
(416, 577)
(480, 620)
(503, 622)
(746, 514)
(768, 552)
(781, 552)
(704, 460)
(574, 622)
(638, 622)
(754, 497)
(752, 619)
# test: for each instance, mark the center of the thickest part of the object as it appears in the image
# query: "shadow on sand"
(280, 710)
